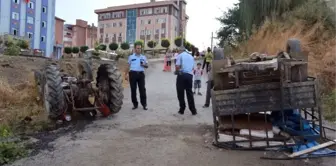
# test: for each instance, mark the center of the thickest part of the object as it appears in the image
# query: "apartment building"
(58, 45)
(147, 21)
(80, 34)
(33, 19)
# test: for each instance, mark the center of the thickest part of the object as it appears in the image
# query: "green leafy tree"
(178, 41)
(67, 50)
(23, 44)
(113, 46)
(165, 43)
(102, 47)
(125, 46)
(187, 45)
(83, 49)
(151, 44)
(141, 42)
(75, 50)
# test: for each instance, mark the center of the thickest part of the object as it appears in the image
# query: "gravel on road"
(158, 136)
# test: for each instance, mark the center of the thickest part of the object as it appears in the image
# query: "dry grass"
(18, 102)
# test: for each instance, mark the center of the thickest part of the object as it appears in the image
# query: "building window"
(44, 24)
(142, 32)
(148, 11)
(108, 25)
(157, 31)
(142, 22)
(30, 35)
(120, 24)
(16, 1)
(30, 20)
(163, 31)
(15, 16)
(14, 31)
(31, 5)
(44, 9)
(114, 24)
(120, 34)
(42, 38)
(149, 22)
(161, 20)
(101, 25)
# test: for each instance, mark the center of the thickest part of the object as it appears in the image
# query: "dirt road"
(155, 137)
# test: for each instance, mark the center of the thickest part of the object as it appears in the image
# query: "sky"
(202, 15)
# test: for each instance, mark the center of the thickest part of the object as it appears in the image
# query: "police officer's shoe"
(145, 108)
(181, 112)
(194, 113)
(206, 106)
(134, 107)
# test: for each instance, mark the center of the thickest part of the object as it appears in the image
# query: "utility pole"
(211, 40)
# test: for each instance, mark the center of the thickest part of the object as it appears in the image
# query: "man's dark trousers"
(210, 85)
(184, 83)
(138, 78)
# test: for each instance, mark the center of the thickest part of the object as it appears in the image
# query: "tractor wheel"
(53, 95)
(84, 70)
(110, 89)
(293, 46)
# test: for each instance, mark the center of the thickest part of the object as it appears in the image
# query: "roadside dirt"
(157, 137)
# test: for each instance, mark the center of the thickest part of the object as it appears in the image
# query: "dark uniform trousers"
(210, 85)
(184, 83)
(138, 78)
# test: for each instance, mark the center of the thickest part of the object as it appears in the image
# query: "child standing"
(198, 72)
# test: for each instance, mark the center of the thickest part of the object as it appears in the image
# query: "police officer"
(135, 73)
(183, 69)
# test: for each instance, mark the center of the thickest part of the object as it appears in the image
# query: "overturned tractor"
(63, 94)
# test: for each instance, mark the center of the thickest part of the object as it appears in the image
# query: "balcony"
(157, 36)
(107, 40)
(163, 36)
(119, 39)
(148, 37)
(114, 39)
(101, 40)
(101, 30)
(142, 37)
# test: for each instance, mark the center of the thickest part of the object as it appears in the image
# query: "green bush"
(23, 44)
(113, 46)
(83, 49)
(125, 46)
(151, 44)
(75, 50)
(102, 47)
(12, 50)
(165, 43)
(141, 42)
(178, 41)
(67, 50)
(9, 151)
(329, 106)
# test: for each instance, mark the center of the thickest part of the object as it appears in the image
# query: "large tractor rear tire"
(109, 83)
(53, 95)
(84, 70)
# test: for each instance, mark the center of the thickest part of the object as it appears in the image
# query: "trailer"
(266, 102)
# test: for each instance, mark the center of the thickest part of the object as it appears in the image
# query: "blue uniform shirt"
(186, 61)
(134, 62)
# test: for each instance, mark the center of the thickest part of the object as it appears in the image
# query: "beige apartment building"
(79, 34)
(147, 21)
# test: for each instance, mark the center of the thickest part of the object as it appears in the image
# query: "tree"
(113, 46)
(23, 44)
(75, 50)
(151, 44)
(178, 41)
(125, 46)
(139, 42)
(83, 49)
(102, 47)
(67, 50)
(165, 43)
(187, 45)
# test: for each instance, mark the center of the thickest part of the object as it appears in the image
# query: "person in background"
(169, 57)
(218, 55)
(198, 72)
(184, 71)
(175, 56)
(207, 59)
(135, 71)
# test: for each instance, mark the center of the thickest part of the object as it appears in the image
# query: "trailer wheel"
(110, 89)
(84, 70)
(293, 46)
(53, 95)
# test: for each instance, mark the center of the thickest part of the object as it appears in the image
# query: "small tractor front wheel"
(53, 95)
(110, 89)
